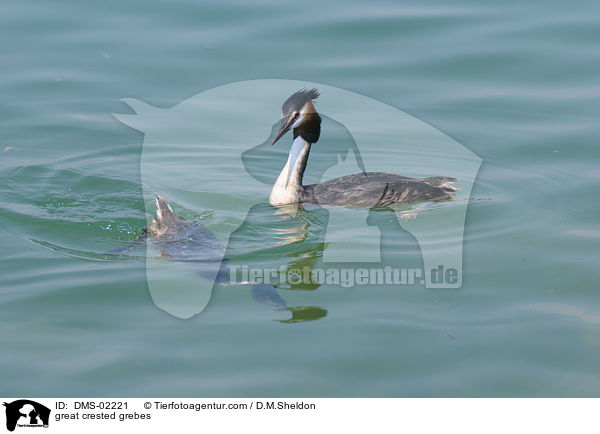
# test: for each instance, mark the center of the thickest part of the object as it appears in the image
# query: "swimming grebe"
(361, 189)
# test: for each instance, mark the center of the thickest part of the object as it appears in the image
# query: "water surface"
(517, 84)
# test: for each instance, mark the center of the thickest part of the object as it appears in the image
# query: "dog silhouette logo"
(26, 413)
(231, 127)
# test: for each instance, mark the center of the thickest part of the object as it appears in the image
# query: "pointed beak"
(284, 127)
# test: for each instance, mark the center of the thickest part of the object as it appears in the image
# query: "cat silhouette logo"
(213, 151)
(26, 413)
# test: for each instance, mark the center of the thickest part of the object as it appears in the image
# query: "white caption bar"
(302, 415)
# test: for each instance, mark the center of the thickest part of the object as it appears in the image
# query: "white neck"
(288, 187)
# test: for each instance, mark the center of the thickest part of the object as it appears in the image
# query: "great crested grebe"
(361, 189)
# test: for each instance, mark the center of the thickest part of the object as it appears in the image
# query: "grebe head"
(296, 110)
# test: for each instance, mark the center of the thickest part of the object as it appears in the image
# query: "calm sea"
(518, 84)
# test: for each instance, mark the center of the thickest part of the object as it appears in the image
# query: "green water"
(518, 84)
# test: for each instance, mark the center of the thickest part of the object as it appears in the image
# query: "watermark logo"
(344, 277)
(24, 413)
(213, 152)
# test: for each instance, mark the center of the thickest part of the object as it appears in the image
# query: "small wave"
(85, 255)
